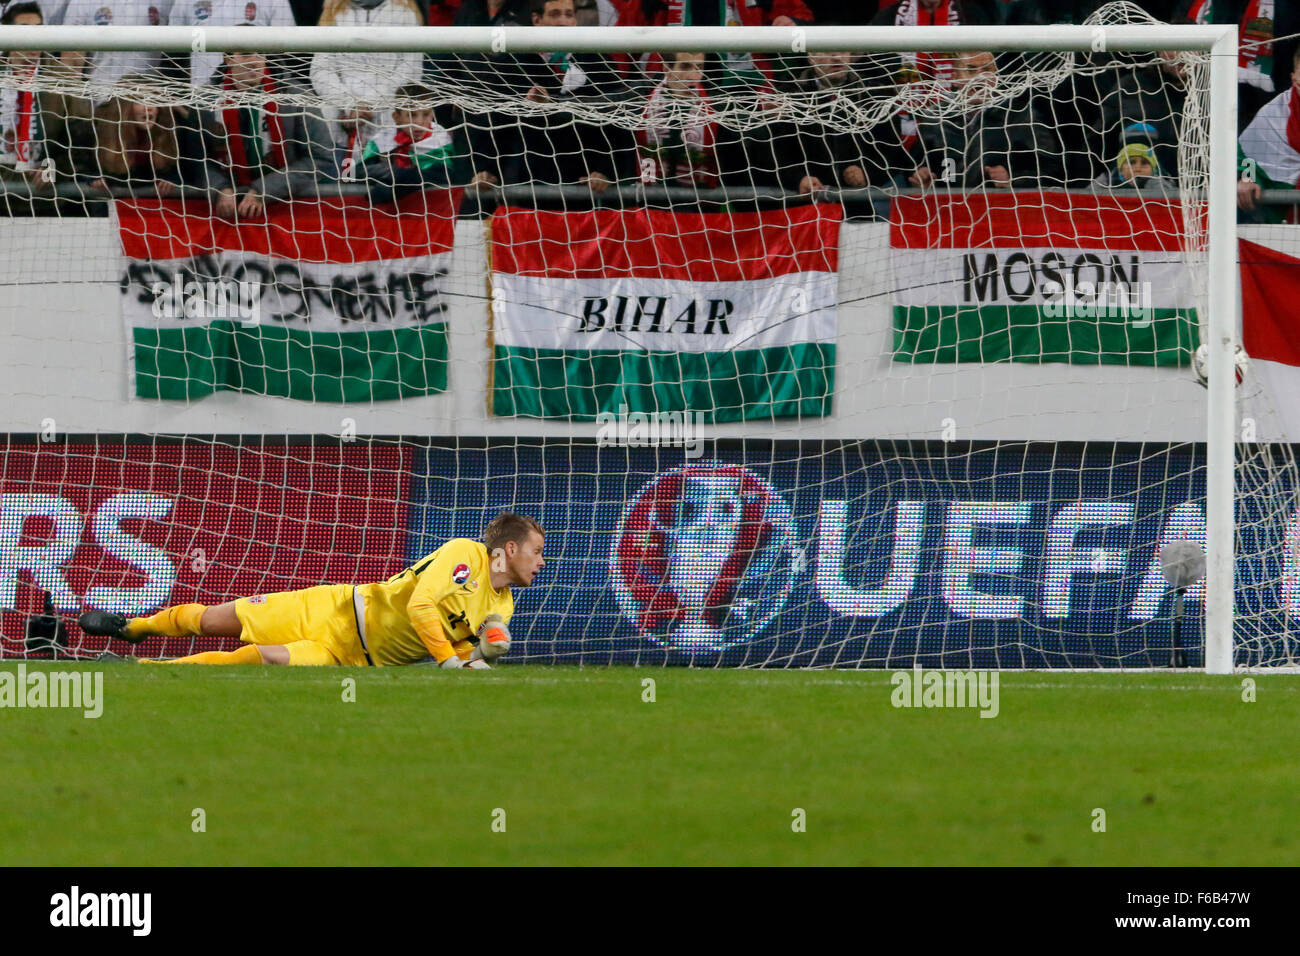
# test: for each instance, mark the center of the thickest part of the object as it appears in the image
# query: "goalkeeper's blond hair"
(508, 526)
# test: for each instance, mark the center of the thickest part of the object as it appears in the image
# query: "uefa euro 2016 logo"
(704, 557)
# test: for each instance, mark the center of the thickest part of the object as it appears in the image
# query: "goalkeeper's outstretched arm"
(424, 618)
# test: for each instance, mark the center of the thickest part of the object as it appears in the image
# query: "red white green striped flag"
(731, 315)
(1040, 277)
(1270, 287)
(332, 301)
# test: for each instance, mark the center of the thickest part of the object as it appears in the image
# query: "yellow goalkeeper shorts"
(322, 615)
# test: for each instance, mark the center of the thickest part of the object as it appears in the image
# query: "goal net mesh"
(850, 359)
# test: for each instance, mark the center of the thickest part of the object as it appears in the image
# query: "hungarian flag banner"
(1270, 287)
(1040, 277)
(615, 311)
(329, 301)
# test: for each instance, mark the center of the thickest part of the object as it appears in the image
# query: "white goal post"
(1220, 321)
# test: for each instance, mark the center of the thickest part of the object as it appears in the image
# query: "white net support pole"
(177, 39)
(1222, 338)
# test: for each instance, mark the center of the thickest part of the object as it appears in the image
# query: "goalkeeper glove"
(493, 637)
(454, 662)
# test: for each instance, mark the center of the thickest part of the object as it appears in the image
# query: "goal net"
(802, 357)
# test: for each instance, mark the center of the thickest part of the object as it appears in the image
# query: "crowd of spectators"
(1100, 129)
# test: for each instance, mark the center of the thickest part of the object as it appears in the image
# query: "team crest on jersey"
(154, 17)
(257, 599)
(202, 10)
(461, 574)
(250, 12)
(103, 16)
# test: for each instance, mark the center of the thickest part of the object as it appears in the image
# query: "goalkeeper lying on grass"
(453, 606)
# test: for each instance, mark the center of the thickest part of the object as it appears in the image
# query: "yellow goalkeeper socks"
(179, 621)
(248, 654)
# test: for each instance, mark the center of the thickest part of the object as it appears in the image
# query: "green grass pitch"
(711, 772)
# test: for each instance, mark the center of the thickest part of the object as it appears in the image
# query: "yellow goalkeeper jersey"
(441, 599)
